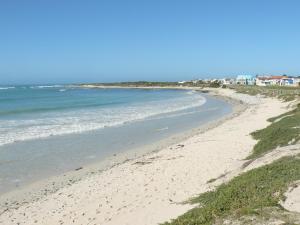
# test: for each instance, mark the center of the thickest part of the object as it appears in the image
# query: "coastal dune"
(150, 189)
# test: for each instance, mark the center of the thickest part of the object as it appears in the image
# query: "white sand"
(148, 190)
(292, 202)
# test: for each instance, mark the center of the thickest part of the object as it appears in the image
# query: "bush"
(215, 84)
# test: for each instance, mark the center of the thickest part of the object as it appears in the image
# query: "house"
(227, 81)
(287, 81)
(296, 81)
(262, 81)
(245, 80)
(291, 81)
(272, 80)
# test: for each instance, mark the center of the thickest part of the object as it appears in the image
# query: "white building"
(245, 80)
(296, 81)
(277, 80)
(227, 81)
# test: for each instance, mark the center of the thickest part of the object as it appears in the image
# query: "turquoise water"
(30, 112)
(48, 130)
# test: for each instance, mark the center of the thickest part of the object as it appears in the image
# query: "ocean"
(50, 129)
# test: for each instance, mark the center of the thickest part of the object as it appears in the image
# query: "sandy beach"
(150, 189)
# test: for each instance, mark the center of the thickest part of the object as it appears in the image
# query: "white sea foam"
(5, 88)
(91, 119)
(46, 86)
(183, 113)
(162, 129)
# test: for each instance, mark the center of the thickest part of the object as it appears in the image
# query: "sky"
(70, 41)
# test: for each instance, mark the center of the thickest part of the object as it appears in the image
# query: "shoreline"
(133, 87)
(141, 160)
(34, 190)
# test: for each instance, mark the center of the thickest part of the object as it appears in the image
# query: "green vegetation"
(248, 194)
(282, 92)
(139, 84)
(214, 84)
(284, 130)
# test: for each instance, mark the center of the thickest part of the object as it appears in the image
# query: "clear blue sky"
(54, 41)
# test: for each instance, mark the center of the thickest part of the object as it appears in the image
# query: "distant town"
(259, 80)
(239, 81)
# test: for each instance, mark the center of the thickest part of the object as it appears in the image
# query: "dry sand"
(149, 190)
(292, 201)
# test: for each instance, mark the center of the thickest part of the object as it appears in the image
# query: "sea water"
(50, 129)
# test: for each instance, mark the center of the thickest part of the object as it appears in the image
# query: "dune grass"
(284, 130)
(282, 92)
(247, 194)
